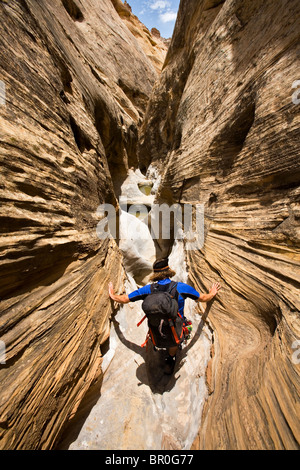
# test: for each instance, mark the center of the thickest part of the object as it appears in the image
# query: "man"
(162, 274)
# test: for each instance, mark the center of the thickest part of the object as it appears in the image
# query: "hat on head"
(161, 265)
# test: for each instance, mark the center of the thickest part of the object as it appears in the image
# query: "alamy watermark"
(296, 354)
(296, 94)
(163, 222)
(2, 93)
(2, 353)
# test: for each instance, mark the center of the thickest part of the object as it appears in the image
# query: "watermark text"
(2, 93)
(2, 353)
(296, 94)
(160, 222)
(296, 354)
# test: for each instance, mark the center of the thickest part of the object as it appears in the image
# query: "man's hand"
(122, 299)
(213, 291)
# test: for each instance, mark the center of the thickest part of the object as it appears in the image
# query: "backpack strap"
(149, 336)
(140, 322)
(171, 323)
(166, 288)
(172, 290)
(172, 286)
(153, 287)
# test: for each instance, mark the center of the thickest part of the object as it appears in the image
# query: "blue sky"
(160, 14)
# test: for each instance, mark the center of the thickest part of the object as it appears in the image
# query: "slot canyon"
(95, 109)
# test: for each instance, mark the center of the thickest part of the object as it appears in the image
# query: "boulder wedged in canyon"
(76, 87)
(223, 128)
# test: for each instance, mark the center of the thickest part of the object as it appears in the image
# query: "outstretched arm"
(122, 299)
(213, 291)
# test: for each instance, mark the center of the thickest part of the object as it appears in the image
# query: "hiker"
(161, 278)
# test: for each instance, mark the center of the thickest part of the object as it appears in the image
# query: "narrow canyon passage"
(140, 407)
(96, 109)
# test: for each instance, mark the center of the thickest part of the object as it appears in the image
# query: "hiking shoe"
(169, 364)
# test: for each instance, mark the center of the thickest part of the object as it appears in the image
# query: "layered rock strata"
(76, 86)
(223, 126)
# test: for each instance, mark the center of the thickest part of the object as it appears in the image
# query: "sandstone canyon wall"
(76, 86)
(223, 128)
(154, 46)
